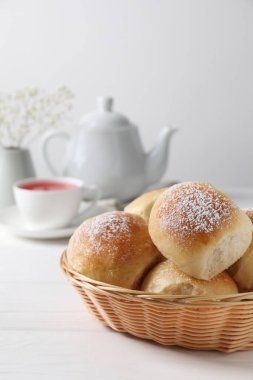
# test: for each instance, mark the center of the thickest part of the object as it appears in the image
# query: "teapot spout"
(156, 159)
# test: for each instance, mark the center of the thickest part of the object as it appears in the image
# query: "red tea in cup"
(47, 186)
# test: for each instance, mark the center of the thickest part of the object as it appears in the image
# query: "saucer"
(13, 221)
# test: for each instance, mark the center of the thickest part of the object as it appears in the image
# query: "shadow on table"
(237, 360)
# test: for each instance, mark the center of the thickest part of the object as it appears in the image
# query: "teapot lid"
(104, 118)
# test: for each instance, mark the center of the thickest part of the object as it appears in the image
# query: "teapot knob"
(104, 103)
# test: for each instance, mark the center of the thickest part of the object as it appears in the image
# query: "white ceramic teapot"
(106, 150)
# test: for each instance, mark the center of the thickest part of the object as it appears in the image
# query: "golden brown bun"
(114, 247)
(143, 205)
(166, 278)
(199, 228)
(242, 270)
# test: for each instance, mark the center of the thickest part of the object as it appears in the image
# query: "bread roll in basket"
(203, 320)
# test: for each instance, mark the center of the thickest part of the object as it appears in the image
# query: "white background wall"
(189, 62)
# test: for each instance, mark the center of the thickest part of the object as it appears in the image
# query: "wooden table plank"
(26, 355)
(31, 263)
(39, 296)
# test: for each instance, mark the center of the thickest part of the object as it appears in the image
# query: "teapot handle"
(46, 138)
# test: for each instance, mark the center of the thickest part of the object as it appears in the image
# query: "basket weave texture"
(223, 323)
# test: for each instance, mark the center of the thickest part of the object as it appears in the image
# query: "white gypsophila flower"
(26, 113)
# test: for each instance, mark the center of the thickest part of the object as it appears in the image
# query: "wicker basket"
(223, 323)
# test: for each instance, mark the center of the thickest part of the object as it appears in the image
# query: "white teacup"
(53, 203)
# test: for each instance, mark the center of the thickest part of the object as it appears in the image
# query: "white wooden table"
(47, 333)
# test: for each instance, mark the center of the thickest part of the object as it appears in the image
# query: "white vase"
(15, 164)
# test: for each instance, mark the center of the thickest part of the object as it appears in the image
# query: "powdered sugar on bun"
(114, 247)
(114, 225)
(192, 208)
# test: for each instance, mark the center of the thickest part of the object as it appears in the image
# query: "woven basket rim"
(117, 291)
